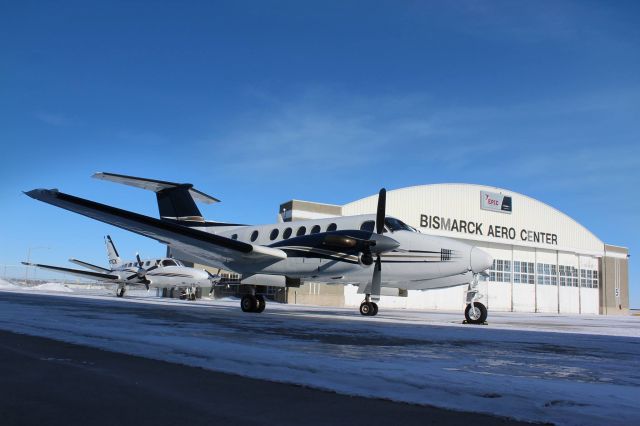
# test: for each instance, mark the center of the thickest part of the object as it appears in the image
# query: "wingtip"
(40, 193)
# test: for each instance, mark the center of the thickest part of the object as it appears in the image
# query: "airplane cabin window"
(332, 227)
(315, 229)
(301, 231)
(397, 225)
(234, 237)
(254, 236)
(369, 226)
(147, 263)
(274, 234)
(287, 233)
(168, 262)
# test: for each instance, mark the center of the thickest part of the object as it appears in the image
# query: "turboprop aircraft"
(152, 273)
(374, 251)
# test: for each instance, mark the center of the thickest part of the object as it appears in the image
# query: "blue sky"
(260, 102)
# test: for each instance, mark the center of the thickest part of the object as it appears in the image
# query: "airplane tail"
(114, 257)
(176, 201)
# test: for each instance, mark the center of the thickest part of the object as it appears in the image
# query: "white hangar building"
(544, 261)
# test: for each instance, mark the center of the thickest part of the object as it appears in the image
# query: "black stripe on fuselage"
(310, 254)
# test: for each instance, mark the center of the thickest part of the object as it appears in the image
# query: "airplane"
(374, 251)
(153, 273)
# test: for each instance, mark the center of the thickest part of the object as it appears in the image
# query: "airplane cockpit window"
(301, 231)
(168, 262)
(397, 225)
(332, 227)
(274, 234)
(254, 236)
(315, 229)
(287, 233)
(368, 226)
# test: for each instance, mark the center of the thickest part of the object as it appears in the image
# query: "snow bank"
(7, 284)
(53, 287)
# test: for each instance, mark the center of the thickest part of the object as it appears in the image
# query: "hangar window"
(274, 234)
(301, 231)
(500, 271)
(368, 226)
(315, 229)
(568, 276)
(287, 233)
(547, 274)
(234, 237)
(254, 235)
(332, 227)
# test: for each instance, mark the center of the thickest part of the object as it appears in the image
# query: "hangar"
(544, 261)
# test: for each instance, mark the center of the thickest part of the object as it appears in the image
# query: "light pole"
(26, 269)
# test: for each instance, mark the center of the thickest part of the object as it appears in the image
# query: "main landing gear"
(368, 308)
(188, 294)
(120, 291)
(253, 303)
(475, 312)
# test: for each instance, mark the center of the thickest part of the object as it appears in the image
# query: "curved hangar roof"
(483, 213)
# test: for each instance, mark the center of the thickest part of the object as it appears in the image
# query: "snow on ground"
(7, 285)
(561, 369)
(51, 287)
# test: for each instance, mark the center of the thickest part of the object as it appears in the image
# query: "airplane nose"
(480, 260)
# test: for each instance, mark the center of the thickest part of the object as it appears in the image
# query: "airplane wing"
(84, 274)
(208, 248)
(89, 266)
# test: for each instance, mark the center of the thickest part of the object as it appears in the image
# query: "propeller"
(376, 280)
(214, 278)
(141, 272)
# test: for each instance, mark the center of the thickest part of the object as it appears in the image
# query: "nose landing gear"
(120, 291)
(475, 312)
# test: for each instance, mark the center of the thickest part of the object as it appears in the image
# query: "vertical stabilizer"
(112, 253)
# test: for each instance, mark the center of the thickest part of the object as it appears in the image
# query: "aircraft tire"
(374, 310)
(474, 318)
(261, 303)
(366, 308)
(248, 303)
(120, 292)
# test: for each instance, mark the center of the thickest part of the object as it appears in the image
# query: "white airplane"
(374, 251)
(152, 273)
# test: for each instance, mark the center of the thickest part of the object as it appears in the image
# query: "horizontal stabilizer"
(155, 185)
(84, 274)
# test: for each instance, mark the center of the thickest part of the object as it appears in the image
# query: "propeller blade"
(152, 268)
(376, 281)
(146, 284)
(139, 261)
(382, 205)
(130, 277)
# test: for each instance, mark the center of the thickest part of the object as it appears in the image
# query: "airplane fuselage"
(420, 261)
